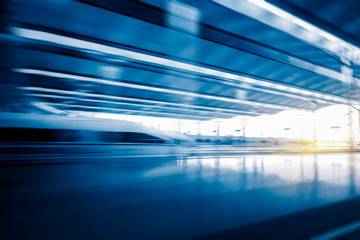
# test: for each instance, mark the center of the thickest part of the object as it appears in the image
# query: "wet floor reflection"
(249, 172)
(190, 196)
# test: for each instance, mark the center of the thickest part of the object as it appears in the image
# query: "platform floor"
(218, 197)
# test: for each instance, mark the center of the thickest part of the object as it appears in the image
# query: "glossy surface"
(166, 197)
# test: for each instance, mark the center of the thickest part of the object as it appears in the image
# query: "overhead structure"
(178, 59)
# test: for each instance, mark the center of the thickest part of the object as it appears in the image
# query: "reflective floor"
(167, 197)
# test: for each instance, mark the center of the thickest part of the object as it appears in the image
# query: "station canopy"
(184, 59)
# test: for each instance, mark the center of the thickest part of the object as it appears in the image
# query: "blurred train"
(36, 133)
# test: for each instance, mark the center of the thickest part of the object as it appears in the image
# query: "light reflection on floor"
(169, 197)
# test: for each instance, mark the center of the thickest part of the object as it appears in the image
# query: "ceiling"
(340, 17)
(179, 59)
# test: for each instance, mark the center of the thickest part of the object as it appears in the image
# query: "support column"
(348, 79)
(351, 132)
(313, 109)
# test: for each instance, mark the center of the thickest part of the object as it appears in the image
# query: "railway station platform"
(230, 196)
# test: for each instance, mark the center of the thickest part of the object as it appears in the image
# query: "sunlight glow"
(327, 125)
